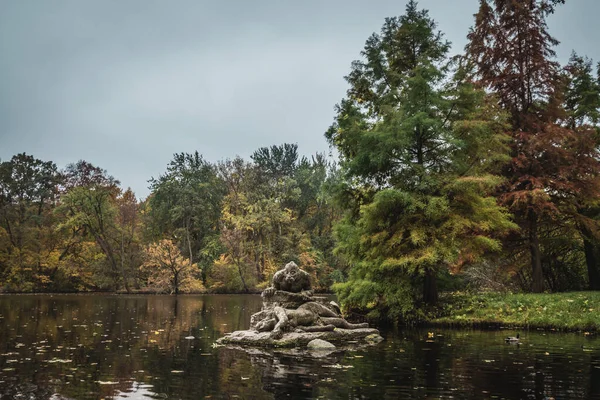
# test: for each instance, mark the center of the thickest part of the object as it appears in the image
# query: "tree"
(582, 94)
(552, 166)
(418, 151)
(167, 268)
(185, 205)
(317, 212)
(128, 223)
(259, 231)
(88, 209)
(28, 190)
(277, 161)
(582, 107)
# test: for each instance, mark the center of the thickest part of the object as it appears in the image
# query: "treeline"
(224, 227)
(480, 170)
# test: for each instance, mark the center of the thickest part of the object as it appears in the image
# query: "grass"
(572, 311)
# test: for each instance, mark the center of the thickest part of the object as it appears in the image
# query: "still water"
(162, 347)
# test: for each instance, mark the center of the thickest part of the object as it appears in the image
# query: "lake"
(162, 347)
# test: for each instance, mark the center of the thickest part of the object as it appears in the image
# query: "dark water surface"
(161, 347)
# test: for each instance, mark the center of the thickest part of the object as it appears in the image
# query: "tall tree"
(277, 161)
(513, 56)
(582, 106)
(418, 150)
(257, 218)
(185, 205)
(129, 224)
(89, 209)
(582, 95)
(28, 190)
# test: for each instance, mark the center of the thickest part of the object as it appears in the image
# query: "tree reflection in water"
(106, 346)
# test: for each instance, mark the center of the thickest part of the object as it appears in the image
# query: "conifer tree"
(552, 166)
(582, 106)
(418, 149)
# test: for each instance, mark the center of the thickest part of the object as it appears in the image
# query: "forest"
(455, 173)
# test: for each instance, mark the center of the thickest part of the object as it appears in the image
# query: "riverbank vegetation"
(572, 311)
(477, 171)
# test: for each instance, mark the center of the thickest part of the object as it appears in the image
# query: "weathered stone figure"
(309, 317)
(291, 279)
(289, 306)
(290, 288)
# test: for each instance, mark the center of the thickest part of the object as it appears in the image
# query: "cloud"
(125, 84)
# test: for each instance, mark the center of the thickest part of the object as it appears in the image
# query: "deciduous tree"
(552, 166)
(168, 270)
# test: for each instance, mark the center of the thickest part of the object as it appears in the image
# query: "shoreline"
(563, 312)
(556, 312)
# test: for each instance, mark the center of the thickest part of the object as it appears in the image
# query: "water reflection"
(94, 347)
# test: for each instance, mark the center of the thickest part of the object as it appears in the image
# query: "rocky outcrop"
(292, 317)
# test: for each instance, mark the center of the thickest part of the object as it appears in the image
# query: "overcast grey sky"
(125, 84)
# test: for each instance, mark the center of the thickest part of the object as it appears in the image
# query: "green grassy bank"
(559, 311)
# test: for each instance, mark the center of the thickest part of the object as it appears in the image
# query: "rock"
(374, 338)
(319, 344)
(296, 339)
(292, 317)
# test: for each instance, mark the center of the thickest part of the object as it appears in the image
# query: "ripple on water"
(91, 347)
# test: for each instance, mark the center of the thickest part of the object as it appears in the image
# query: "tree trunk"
(591, 259)
(537, 274)
(242, 276)
(430, 290)
(187, 229)
(176, 282)
(591, 250)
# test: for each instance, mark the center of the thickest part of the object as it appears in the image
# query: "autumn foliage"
(477, 171)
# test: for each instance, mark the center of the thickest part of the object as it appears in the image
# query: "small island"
(292, 316)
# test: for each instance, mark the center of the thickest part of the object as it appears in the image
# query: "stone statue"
(290, 289)
(289, 307)
(290, 279)
(309, 317)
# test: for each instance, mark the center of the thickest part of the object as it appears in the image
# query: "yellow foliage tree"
(169, 271)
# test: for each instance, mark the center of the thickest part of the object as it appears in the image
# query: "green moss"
(560, 311)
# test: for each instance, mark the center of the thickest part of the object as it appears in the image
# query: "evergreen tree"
(418, 149)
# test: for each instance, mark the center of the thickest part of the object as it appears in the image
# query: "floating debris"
(59, 360)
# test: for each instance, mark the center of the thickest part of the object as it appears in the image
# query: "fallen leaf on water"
(59, 360)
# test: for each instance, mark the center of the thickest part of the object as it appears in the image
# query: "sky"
(126, 84)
